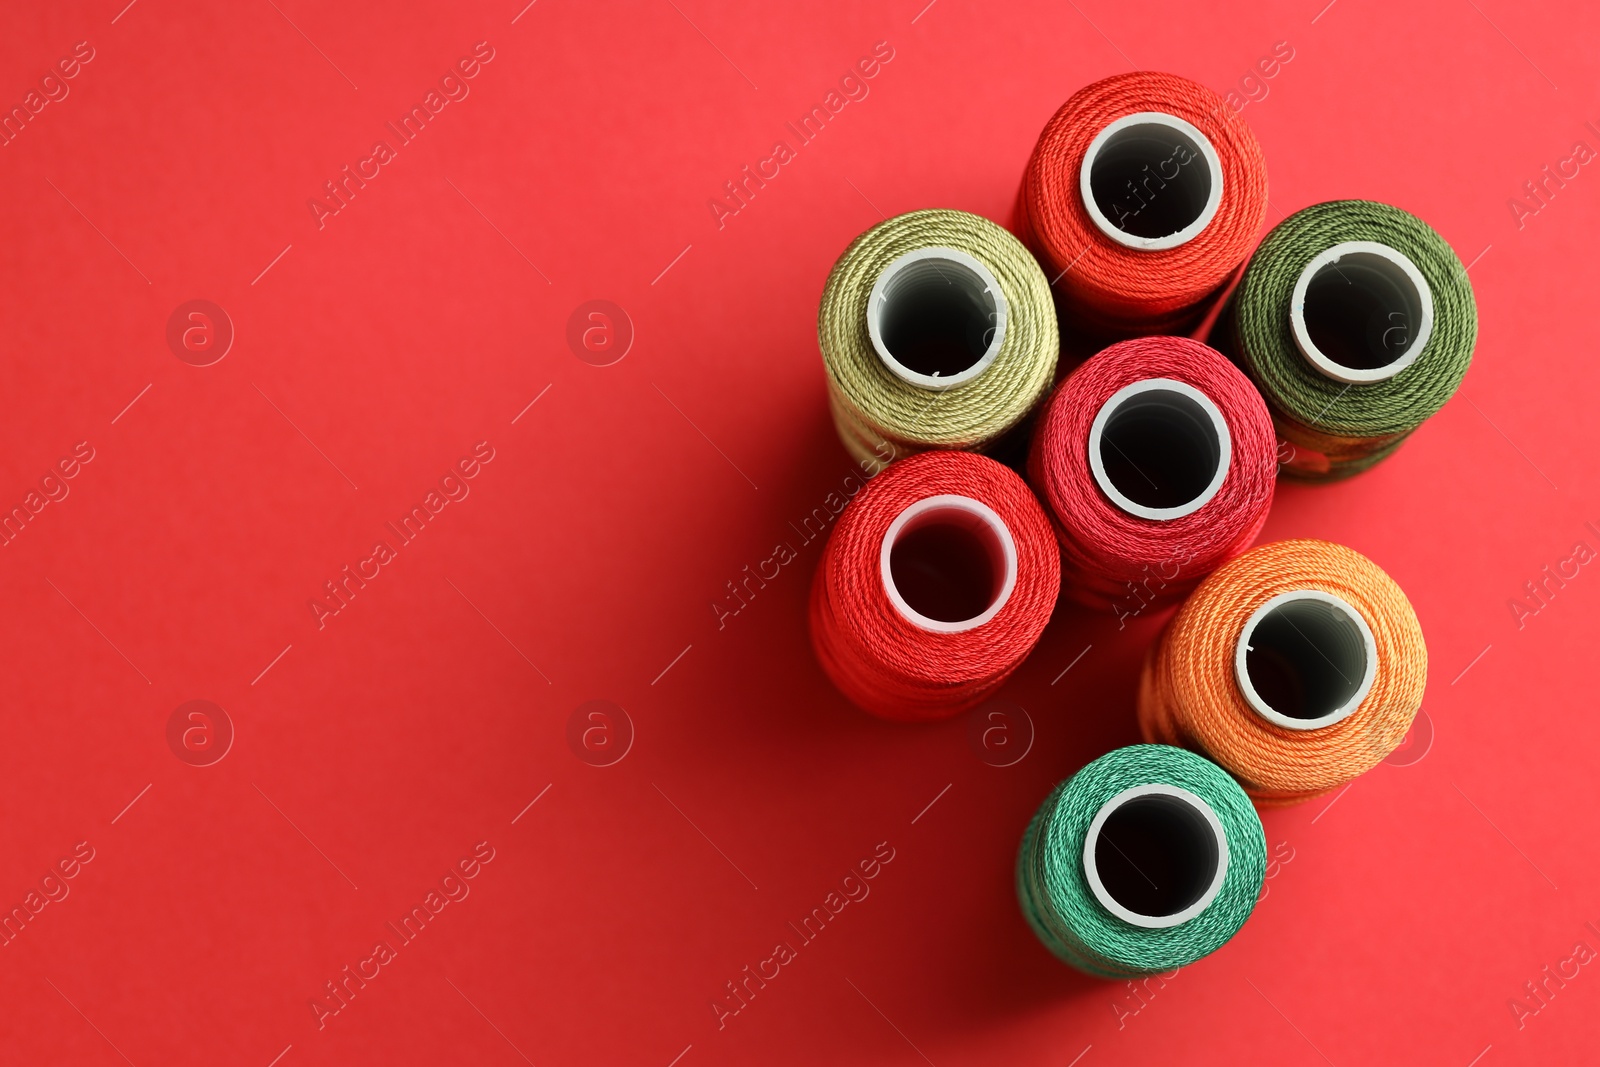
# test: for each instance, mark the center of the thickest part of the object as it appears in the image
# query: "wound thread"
(1147, 859)
(1142, 518)
(1144, 237)
(935, 584)
(1387, 352)
(937, 332)
(1333, 654)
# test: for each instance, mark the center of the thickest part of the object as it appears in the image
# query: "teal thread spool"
(1147, 859)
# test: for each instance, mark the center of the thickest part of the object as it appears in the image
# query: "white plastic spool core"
(937, 317)
(1151, 181)
(1305, 659)
(1361, 312)
(948, 563)
(1155, 856)
(1159, 448)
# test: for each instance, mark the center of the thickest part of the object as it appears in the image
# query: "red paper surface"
(373, 749)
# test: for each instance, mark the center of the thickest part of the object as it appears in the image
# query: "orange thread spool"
(1297, 667)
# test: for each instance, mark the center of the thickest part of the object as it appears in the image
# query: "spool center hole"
(1306, 659)
(1362, 311)
(1160, 449)
(947, 565)
(937, 317)
(1156, 855)
(1150, 180)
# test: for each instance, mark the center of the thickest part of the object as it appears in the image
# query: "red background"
(375, 752)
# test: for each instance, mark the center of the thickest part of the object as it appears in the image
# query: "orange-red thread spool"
(1144, 194)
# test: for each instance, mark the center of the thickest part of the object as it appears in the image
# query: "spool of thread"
(1144, 195)
(1156, 461)
(1357, 322)
(1147, 859)
(937, 332)
(935, 584)
(1297, 667)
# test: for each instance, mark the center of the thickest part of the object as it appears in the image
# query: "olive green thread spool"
(1357, 322)
(937, 331)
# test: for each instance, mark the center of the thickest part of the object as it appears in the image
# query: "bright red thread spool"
(1143, 238)
(1169, 494)
(919, 608)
